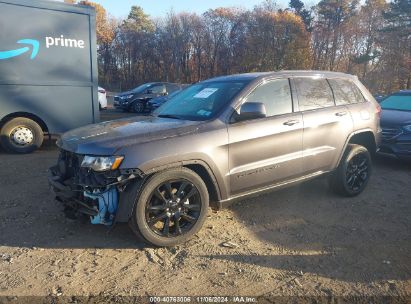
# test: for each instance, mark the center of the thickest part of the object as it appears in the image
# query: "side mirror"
(149, 91)
(252, 110)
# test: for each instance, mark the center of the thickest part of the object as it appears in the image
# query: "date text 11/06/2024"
(203, 299)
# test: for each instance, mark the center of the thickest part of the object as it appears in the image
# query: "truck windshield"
(397, 102)
(202, 101)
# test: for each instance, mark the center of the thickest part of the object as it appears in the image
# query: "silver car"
(219, 140)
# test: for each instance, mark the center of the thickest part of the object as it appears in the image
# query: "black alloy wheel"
(174, 208)
(357, 172)
(171, 207)
(138, 107)
(353, 173)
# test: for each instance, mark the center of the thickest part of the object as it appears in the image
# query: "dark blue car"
(155, 103)
(396, 125)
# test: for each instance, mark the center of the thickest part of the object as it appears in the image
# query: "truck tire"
(171, 207)
(21, 135)
(353, 173)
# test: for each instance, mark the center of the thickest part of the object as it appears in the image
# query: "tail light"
(102, 91)
(378, 110)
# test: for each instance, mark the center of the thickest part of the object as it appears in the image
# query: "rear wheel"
(352, 175)
(171, 208)
(21, 135)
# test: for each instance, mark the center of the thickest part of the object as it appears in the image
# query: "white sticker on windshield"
(204, 113)
(205, 93)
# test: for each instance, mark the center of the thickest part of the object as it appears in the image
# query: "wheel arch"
(202, 169)
(364, 138)
(129, 197)
(28, 115)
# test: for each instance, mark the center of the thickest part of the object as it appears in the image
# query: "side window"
(313, 93)
(171, 88)
(345, 92)
(157, 89)
(275, 95)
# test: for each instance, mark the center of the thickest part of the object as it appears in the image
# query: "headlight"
(127, 96)
(407, 128)
(103, 163)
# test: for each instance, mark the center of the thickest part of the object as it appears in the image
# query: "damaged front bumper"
(106, 197)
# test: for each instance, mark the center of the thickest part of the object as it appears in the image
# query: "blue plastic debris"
(107, 206)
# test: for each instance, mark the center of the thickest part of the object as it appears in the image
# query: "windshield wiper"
(169, 116)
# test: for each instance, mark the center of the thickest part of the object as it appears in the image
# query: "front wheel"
(138, 107)
(171, 208)
(21, 135)
(352, 175)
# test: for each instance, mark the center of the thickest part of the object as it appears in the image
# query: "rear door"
(267, 150)
(326, 126)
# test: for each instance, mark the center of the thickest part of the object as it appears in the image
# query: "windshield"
(141, 88)
(201, 101)
(397, 102)
(174, 94)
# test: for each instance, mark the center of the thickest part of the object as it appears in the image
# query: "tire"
(152, 205)
(353, 173)
(21, 135)
(138, 107)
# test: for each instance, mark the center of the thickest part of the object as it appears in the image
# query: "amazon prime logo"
(34, 46)
(17, 52)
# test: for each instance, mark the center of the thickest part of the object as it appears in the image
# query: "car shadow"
(313, 229)
(358, 239)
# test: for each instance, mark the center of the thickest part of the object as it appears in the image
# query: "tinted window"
(275, 95)
(157, 89)
(313, 93)
(397, 102)
(172, 88)
(345, 92)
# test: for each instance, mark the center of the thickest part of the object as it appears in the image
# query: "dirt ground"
(301, 241)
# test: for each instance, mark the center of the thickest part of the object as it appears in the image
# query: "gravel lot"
(301, 241)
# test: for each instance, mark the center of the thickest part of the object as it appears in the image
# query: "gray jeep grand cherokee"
(218, 141)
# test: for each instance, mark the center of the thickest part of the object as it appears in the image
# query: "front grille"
(390, 133)
(70, 168)
(116, 98)
(69, 163)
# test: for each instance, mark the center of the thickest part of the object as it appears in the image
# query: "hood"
(125, 93)
(395, 118)
(107, 137)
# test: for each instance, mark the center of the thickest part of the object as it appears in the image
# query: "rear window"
(313, 93)
(345, 92)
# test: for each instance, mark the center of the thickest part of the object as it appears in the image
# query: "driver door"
(268, 150)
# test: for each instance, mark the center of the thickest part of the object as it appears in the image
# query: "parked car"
(155, 103)
(102, 98)
(218, 141)
(396, 125)
(379, 98)
(136, 99)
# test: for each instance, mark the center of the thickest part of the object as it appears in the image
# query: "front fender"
(207, 148)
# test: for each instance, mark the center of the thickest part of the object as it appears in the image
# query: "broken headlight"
(102, 163)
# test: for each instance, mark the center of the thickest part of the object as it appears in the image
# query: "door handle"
(339, 114)
(291, 123)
